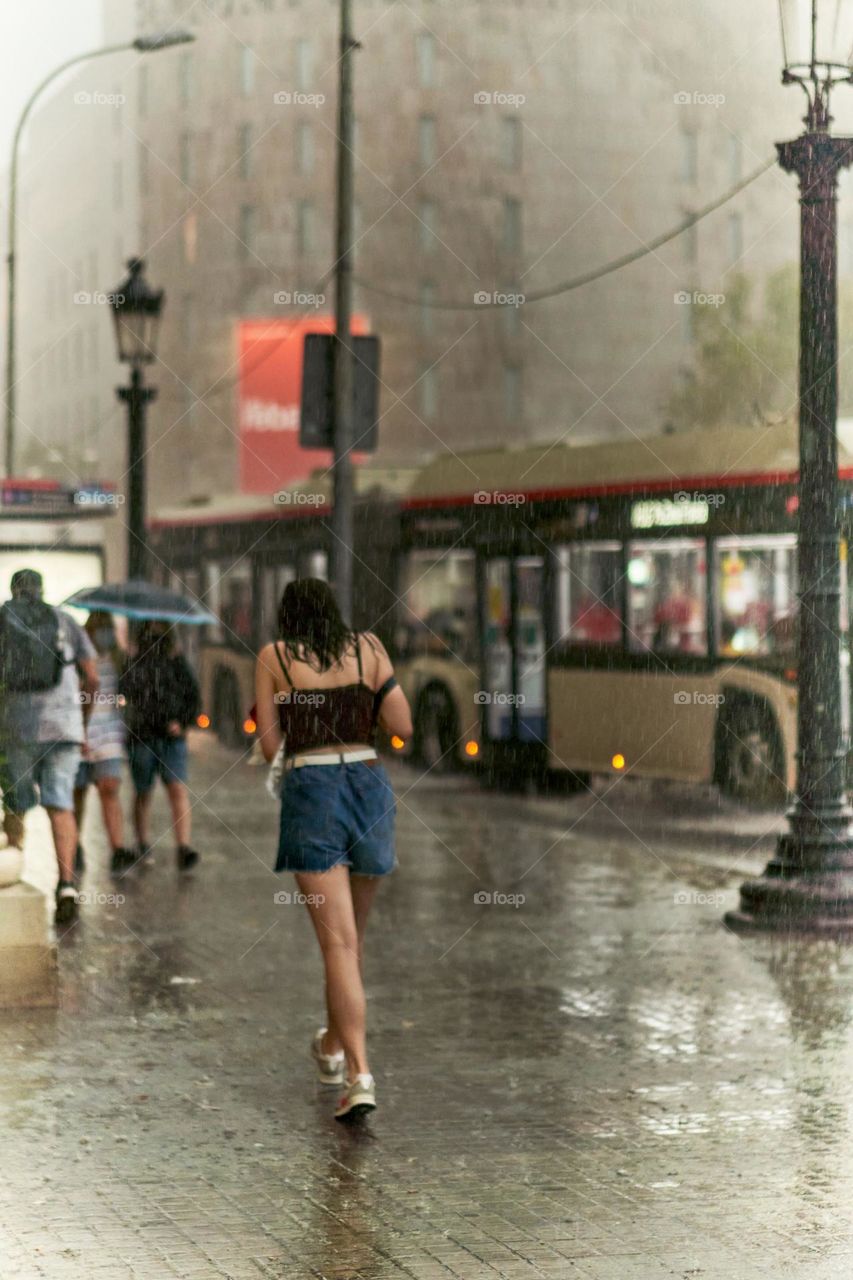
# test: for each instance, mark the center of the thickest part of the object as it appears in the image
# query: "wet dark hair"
(152, 636)
(311, 625)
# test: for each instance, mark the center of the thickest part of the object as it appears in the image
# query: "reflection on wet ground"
(583, 1074)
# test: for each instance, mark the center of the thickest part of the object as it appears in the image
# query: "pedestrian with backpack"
(162, 700)
(48, 674)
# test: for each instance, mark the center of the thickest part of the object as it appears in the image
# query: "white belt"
(330, 757)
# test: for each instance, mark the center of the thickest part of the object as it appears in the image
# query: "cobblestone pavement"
(598, 1082)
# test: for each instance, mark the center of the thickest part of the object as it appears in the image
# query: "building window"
(244, 151)
(305, 227)
(427, 222)
(511, 136)
(247, 71)
(735, 159)
(689, 156)
(427, 312)
(428, 391)
(185, 79)
(512, 392)
(735, 237)
(305, 147)
(425, 46)
(304, 63)
(511, 226)
(426, 140)
(185, 159)
(248, 227)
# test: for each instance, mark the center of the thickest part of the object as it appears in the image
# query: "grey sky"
(34, 38)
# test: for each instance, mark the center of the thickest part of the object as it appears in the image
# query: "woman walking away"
(163, 700)
(321, 691)
(103, 750)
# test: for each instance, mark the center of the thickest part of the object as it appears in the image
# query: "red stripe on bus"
(285, 512)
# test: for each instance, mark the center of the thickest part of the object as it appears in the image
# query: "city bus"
(57, 529)
(619, 608)
(238, 553)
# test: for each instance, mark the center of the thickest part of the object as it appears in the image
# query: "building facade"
(502, 146)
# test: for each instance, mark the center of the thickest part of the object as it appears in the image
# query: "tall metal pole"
(809, 883)
(137, 398)
(342, 516)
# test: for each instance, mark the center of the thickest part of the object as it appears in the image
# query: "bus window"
(666, 596)
(439, 611)
(274, 578)
(755, 595)
(213, 600)
(589, 583)
(315, 564)
(236, 595)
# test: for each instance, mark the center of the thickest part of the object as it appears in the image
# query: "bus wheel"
(226, 711)
(435, 730)
(749, 755)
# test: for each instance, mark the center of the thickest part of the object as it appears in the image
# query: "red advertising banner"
(268, 399)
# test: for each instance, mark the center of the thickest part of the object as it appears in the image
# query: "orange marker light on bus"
(472, 748)
(618, 761)
(203, 721)
(397, 743)
(249, 726)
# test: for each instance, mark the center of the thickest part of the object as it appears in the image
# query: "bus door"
(513, 692)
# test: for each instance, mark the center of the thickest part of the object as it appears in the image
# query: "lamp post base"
(817, 904)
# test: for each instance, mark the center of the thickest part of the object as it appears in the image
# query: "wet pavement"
(581, 1072)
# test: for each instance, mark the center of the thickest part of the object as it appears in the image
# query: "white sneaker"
(330, 1066)
(359, 1099)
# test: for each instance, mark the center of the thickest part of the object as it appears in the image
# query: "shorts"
(39, 773)
(152, 758)
(94, 770)
(337, 815)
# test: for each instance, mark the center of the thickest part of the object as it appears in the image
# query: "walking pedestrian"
(104, 748)
(161, 701)
(321, 691)
(49, 676)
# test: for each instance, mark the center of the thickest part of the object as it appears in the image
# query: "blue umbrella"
(142, 601)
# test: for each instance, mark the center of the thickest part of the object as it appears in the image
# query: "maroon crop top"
(312, 718)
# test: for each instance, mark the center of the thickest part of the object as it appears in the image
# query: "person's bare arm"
(266, 709)
(395, 716)
(87, 669)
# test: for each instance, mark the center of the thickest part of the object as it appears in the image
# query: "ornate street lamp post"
(809, 883)
(137, 310)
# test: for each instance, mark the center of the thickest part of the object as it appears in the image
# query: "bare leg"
(79, 806)
(142, 815)
(108, 790)
(179, 800)
(330, 906)
(64, 828)
(13, 826)
(363, 890)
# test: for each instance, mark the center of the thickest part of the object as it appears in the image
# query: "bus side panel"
(461, 684)
(662, 724)
(218, 666)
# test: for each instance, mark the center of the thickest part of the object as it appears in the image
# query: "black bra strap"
(282, 664)
(358, 656)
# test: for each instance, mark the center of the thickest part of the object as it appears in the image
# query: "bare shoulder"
(266, 657)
